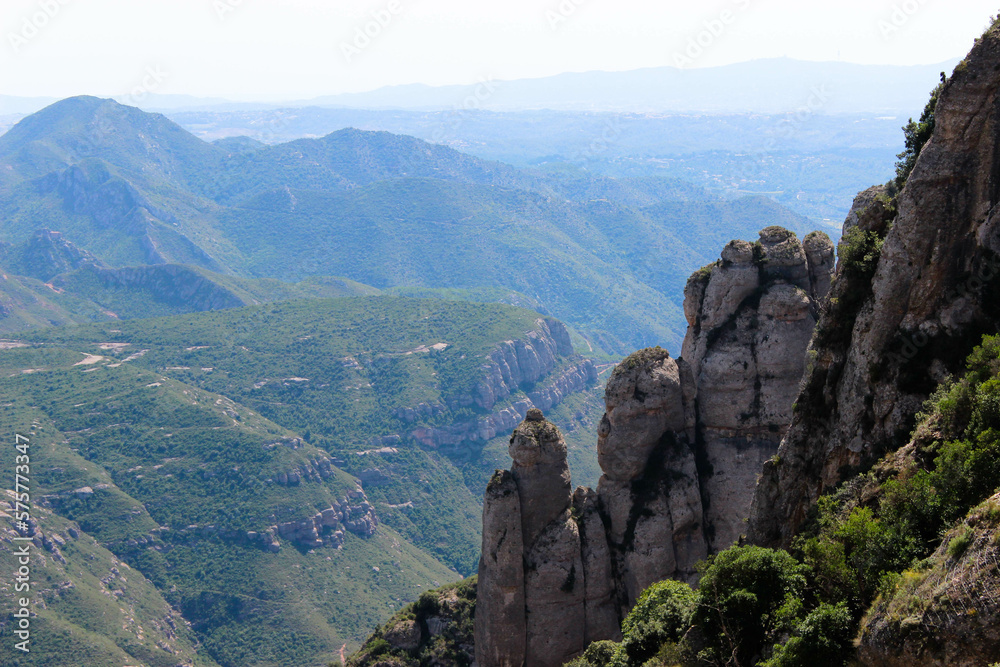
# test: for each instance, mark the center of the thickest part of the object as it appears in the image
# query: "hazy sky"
(271, 49)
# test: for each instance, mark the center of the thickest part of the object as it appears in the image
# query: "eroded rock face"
(541, 474)
(532, 361)
(889, 338)
(531, 573)
(500, 612)
(644, 400)
(680, 446)
(747, 353)
(520, 361)
(649, 493)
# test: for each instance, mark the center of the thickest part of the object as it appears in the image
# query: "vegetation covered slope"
(133, 188)
(437, 629)
(903, 557)
(190, 449)
(340, 372)
(176, 482)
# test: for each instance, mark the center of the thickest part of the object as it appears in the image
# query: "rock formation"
(542, 363)
(890, 335)
(46, 254)
(532, 577)
(680, 446)
(750, 320)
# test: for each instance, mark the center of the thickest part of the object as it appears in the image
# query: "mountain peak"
(77, 128)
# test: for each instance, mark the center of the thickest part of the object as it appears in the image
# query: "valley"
(378, 384)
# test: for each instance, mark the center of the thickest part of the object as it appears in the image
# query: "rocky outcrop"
(649, 493)
(559, 570)
(352, 513)
(435, 630)
(894, 330)
(574, 378)
(531, 574)
(541, 364)
(680, 447)
(750, 318)
(457, 437)
(47, 254)
(500, 611)
(519, 362)
(948, 613)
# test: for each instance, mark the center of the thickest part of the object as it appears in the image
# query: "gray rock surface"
(750, 322)
(500, 623)
(676, 433)
(889, 339)
(541, 474)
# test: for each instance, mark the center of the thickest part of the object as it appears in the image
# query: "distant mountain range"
(609, 256)
(772, 85)
(263, 474)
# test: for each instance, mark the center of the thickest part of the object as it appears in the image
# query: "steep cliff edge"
(750, 320)
(915, 291)
(680, 446)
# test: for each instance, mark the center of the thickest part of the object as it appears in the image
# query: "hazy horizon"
(252, 50)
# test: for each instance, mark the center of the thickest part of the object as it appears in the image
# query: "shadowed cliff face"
(887, 339)
(680, 446)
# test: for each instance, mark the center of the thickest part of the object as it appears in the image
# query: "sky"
(298, 49)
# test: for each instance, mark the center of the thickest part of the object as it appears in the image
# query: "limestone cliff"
(680, 446)
(750, 320)
(918, 289)
(541, 364)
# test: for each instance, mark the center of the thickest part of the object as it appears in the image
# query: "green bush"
(822, 639)
(915, 135)
(748, 597)
(859, 253)
(961, 542)
(598, 654)
(660, 616)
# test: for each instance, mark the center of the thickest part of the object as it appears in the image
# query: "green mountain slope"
(182, 485)
(382, 209)
(207, 451)
(62, 284)
(344, 372)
